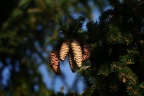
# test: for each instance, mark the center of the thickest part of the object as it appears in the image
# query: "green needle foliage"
(117, 57)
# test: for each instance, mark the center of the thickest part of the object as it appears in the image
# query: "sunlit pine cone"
(54, 62)
(86, 52)
(64, 49)
(72, 63)
(77, 52)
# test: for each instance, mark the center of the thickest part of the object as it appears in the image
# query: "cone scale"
(77, 52)
(72, 63)
(86, 52)
(54, 62)
(64, 49)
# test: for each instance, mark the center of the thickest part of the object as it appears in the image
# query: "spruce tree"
(117, 42)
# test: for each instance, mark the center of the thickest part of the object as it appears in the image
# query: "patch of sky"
(6, 75)
(39, 27)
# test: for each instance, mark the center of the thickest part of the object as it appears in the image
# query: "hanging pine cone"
(64, 49)
(54, 62)
(72, 62)
(86, 52)
(77, 52)
(124, 80)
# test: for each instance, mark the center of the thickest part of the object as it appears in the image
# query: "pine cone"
(54, 62)
(77, 52)
(64, 49)
(124, 80)
(86, 52)
(72, 62)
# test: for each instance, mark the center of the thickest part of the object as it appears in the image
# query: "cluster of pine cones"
(76, 55)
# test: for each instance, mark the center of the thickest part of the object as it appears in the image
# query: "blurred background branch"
(28, 29)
